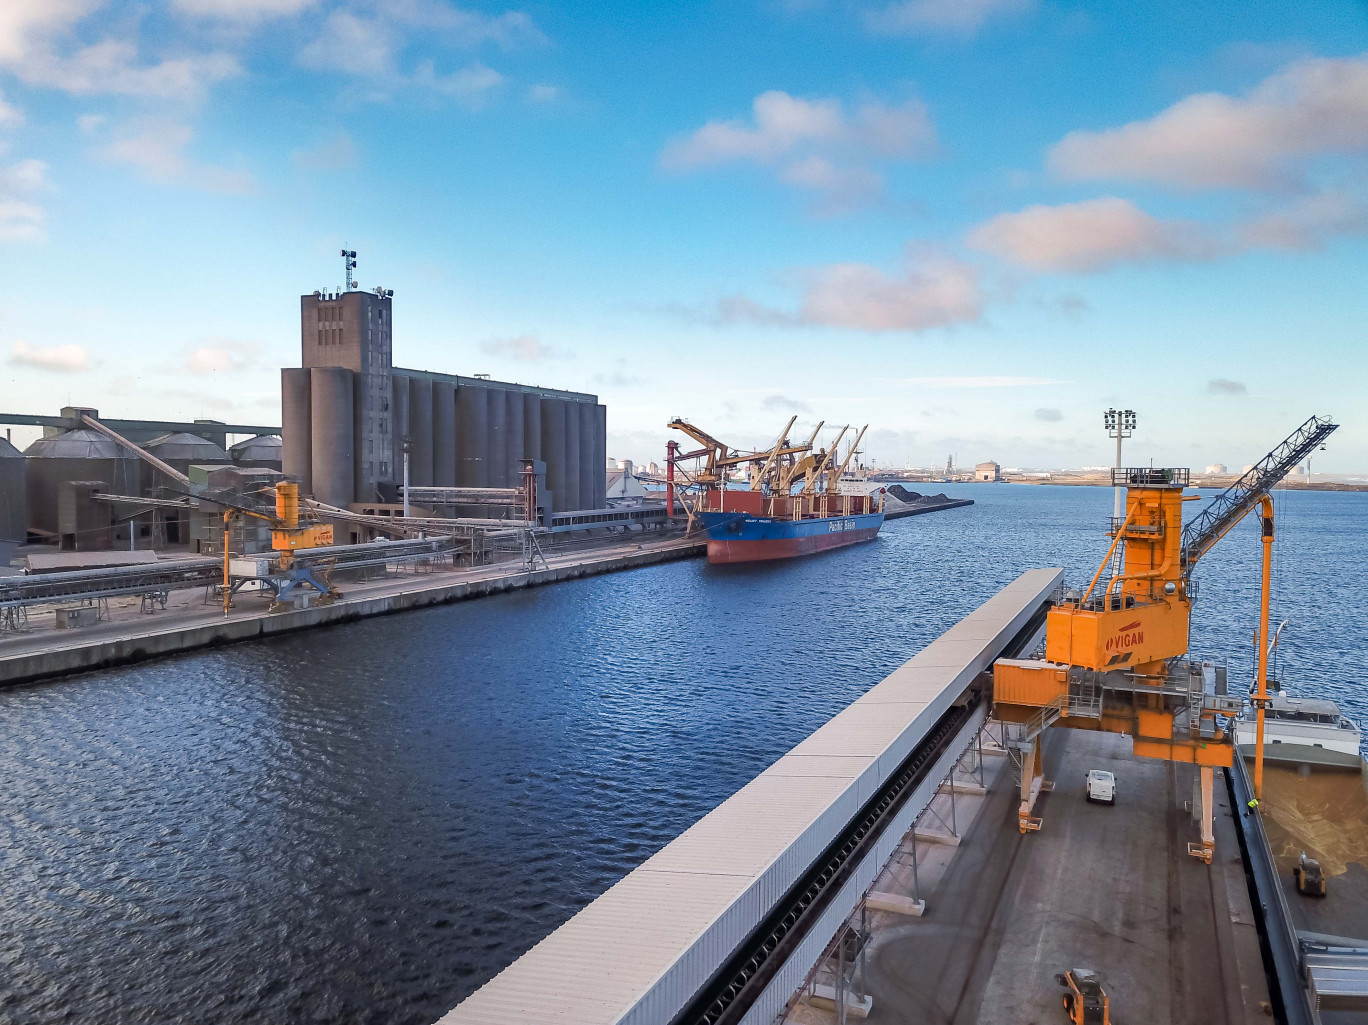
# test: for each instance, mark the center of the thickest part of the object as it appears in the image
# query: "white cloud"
(10, 115)
(158, 150)
(21, 219)
(471, 86)
(62, 359)
(1223, 386)
(352, 45)
(542, 93)
(1089, 236)
(1306, 222)
(242, 12)
(813, 144)
(933, 291)
(962, 17)
(334, 154)
(524, 348)
(220, 359)
(990, 381)
(1264, 139)
(370, 45)
(26, 23)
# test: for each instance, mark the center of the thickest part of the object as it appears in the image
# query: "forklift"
(1085, 1002)
(1309, 877)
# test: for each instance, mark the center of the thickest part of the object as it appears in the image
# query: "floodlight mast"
(1120, 424)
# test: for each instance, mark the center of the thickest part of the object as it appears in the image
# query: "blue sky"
(973, 224)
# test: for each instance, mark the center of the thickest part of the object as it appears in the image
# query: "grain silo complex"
(347, 411)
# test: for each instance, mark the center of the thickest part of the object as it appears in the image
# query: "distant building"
(989, 471)
(1217, 469)
(348, 409)
(623, 487)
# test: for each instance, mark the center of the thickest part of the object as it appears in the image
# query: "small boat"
(1303, 731)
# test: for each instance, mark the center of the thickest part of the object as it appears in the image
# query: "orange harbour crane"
(1116, 655)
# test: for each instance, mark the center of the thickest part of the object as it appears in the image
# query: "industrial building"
(989, 471)
(348, 413)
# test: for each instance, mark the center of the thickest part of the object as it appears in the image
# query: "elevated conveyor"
(722, 924)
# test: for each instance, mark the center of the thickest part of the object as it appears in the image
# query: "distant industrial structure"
(989, 471)
(351, 417)
(355, 429)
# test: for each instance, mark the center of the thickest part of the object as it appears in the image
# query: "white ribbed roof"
(639, 952)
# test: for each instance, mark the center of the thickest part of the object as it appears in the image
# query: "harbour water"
(364, 823)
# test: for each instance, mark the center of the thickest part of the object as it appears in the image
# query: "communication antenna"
(349, 258)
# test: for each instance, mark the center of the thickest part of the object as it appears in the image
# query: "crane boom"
(1231, 505)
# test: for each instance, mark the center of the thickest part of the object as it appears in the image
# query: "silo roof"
(82, 444)
(185, 446)
(266, 446)
(8, 451)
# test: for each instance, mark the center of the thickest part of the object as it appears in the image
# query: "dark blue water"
(364, 823)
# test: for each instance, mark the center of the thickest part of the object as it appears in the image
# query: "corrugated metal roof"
(82, 444)
(639, 953)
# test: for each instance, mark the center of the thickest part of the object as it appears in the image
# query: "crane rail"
(1231, 505)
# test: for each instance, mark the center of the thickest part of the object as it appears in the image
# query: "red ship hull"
(721, 551)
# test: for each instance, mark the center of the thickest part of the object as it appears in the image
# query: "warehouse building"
(347, 411)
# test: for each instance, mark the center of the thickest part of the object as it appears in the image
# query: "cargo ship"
(792, 503)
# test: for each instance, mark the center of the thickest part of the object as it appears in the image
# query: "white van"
(1101, 786)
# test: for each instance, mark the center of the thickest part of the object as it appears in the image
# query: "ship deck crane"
(1115, 656)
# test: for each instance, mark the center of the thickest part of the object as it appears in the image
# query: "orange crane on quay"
(1116, 656)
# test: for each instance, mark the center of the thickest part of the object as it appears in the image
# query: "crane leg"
(1033, 783)
(1207, 846)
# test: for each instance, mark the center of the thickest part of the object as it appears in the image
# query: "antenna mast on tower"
(349, 258)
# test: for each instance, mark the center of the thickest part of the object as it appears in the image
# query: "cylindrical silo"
(532, 444)
(443, 434)
(13, 501)
(601, 455)
(331, 425)
(553, 450)
(296, 455)
(420, 432)
(588, 471)
(498, 439)
(516, 441)
(51, 465)
(472, 445)
(399, 405)
(179, 451)
(573, 449)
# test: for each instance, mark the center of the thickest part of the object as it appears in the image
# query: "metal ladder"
(1085, 698)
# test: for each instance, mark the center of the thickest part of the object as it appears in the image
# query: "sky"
(972, 224)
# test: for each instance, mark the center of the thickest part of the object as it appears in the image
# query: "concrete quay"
(129, 635)
(1111, 889)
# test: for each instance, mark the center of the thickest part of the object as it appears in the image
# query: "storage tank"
(296, 454)
(498, 438)
(263, 451)
(601, 455)
(420, 432)
(513, 401)
(13, 501)
(334, 452)
(532, 443)
(472, 437)
(589, 499)
(573, 451)
(84, 455)
(178, 450)
(553, 450)
(443, 434)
